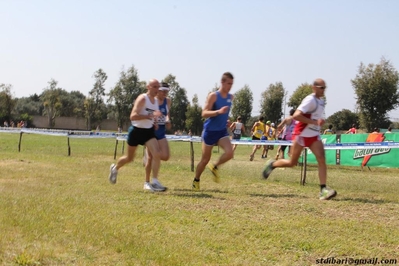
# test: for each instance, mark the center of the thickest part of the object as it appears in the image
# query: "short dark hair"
(389, 128)
(292, 111)
(239, 118)
(227, 75)
(261, 118)
(330, 126)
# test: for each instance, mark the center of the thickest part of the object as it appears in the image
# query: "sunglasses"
(321, 87)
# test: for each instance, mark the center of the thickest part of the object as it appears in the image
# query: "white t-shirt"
(147, 109)
(313, 108)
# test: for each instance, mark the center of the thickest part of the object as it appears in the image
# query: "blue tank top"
(218, 123)
(163, 108)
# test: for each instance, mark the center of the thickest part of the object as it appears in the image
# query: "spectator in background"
(389, 130)
(376, 130)
(5, 124)
(329, 130)
(352, 130)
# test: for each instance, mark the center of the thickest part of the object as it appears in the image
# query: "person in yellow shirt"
(270, 134)
(258, 130)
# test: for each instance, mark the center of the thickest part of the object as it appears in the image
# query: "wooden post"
(20, 140)
(69, 147)
(192, 155)
(304, 164)
(116, 147)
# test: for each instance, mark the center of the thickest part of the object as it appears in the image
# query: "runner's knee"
(229, 154)
(165, 157)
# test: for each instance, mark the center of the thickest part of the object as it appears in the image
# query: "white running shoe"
(158, 186)
(113, 173)
(327, 193)
(148, 187)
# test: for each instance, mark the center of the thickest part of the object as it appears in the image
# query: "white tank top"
(237, 129)
(147, 109)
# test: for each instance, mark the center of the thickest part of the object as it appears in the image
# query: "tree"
(123, 95)
(242, 104)
(272, 101)
(194, 121)
(94, 101)
(31, 105)
(72, 103)
(178, 96)
(299, 94)
(78, 99)
(7, 102)
(376, 87)
(50, 98)
(215, 88)
(342, 120)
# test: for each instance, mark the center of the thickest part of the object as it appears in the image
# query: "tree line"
(376, 87)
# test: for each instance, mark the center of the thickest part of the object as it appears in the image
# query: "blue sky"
(259, 41)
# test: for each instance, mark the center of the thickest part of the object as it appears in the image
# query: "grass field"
(61, 210)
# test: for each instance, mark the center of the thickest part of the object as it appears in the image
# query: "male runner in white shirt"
(310, 117)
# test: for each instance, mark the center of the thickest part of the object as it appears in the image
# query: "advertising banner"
(372, 156)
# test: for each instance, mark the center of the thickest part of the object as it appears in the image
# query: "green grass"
(61, 210)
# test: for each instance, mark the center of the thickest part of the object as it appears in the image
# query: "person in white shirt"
(310, 117)
(163, 122)
(142, 132)
(238, 129)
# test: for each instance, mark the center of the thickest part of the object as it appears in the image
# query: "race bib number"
(161, 120)
(150, 112)
(315, 127)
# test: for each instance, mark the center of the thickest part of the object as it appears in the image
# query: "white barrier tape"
(41, 132)
(362, 145)
(178, 138)
(10, 130)
(123, 137)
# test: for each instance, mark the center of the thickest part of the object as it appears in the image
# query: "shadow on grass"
(277, 195)
(194, 195)
(202, 190)
(189, 193)
(364, 200)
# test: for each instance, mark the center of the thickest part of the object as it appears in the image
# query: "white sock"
(155, 180)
